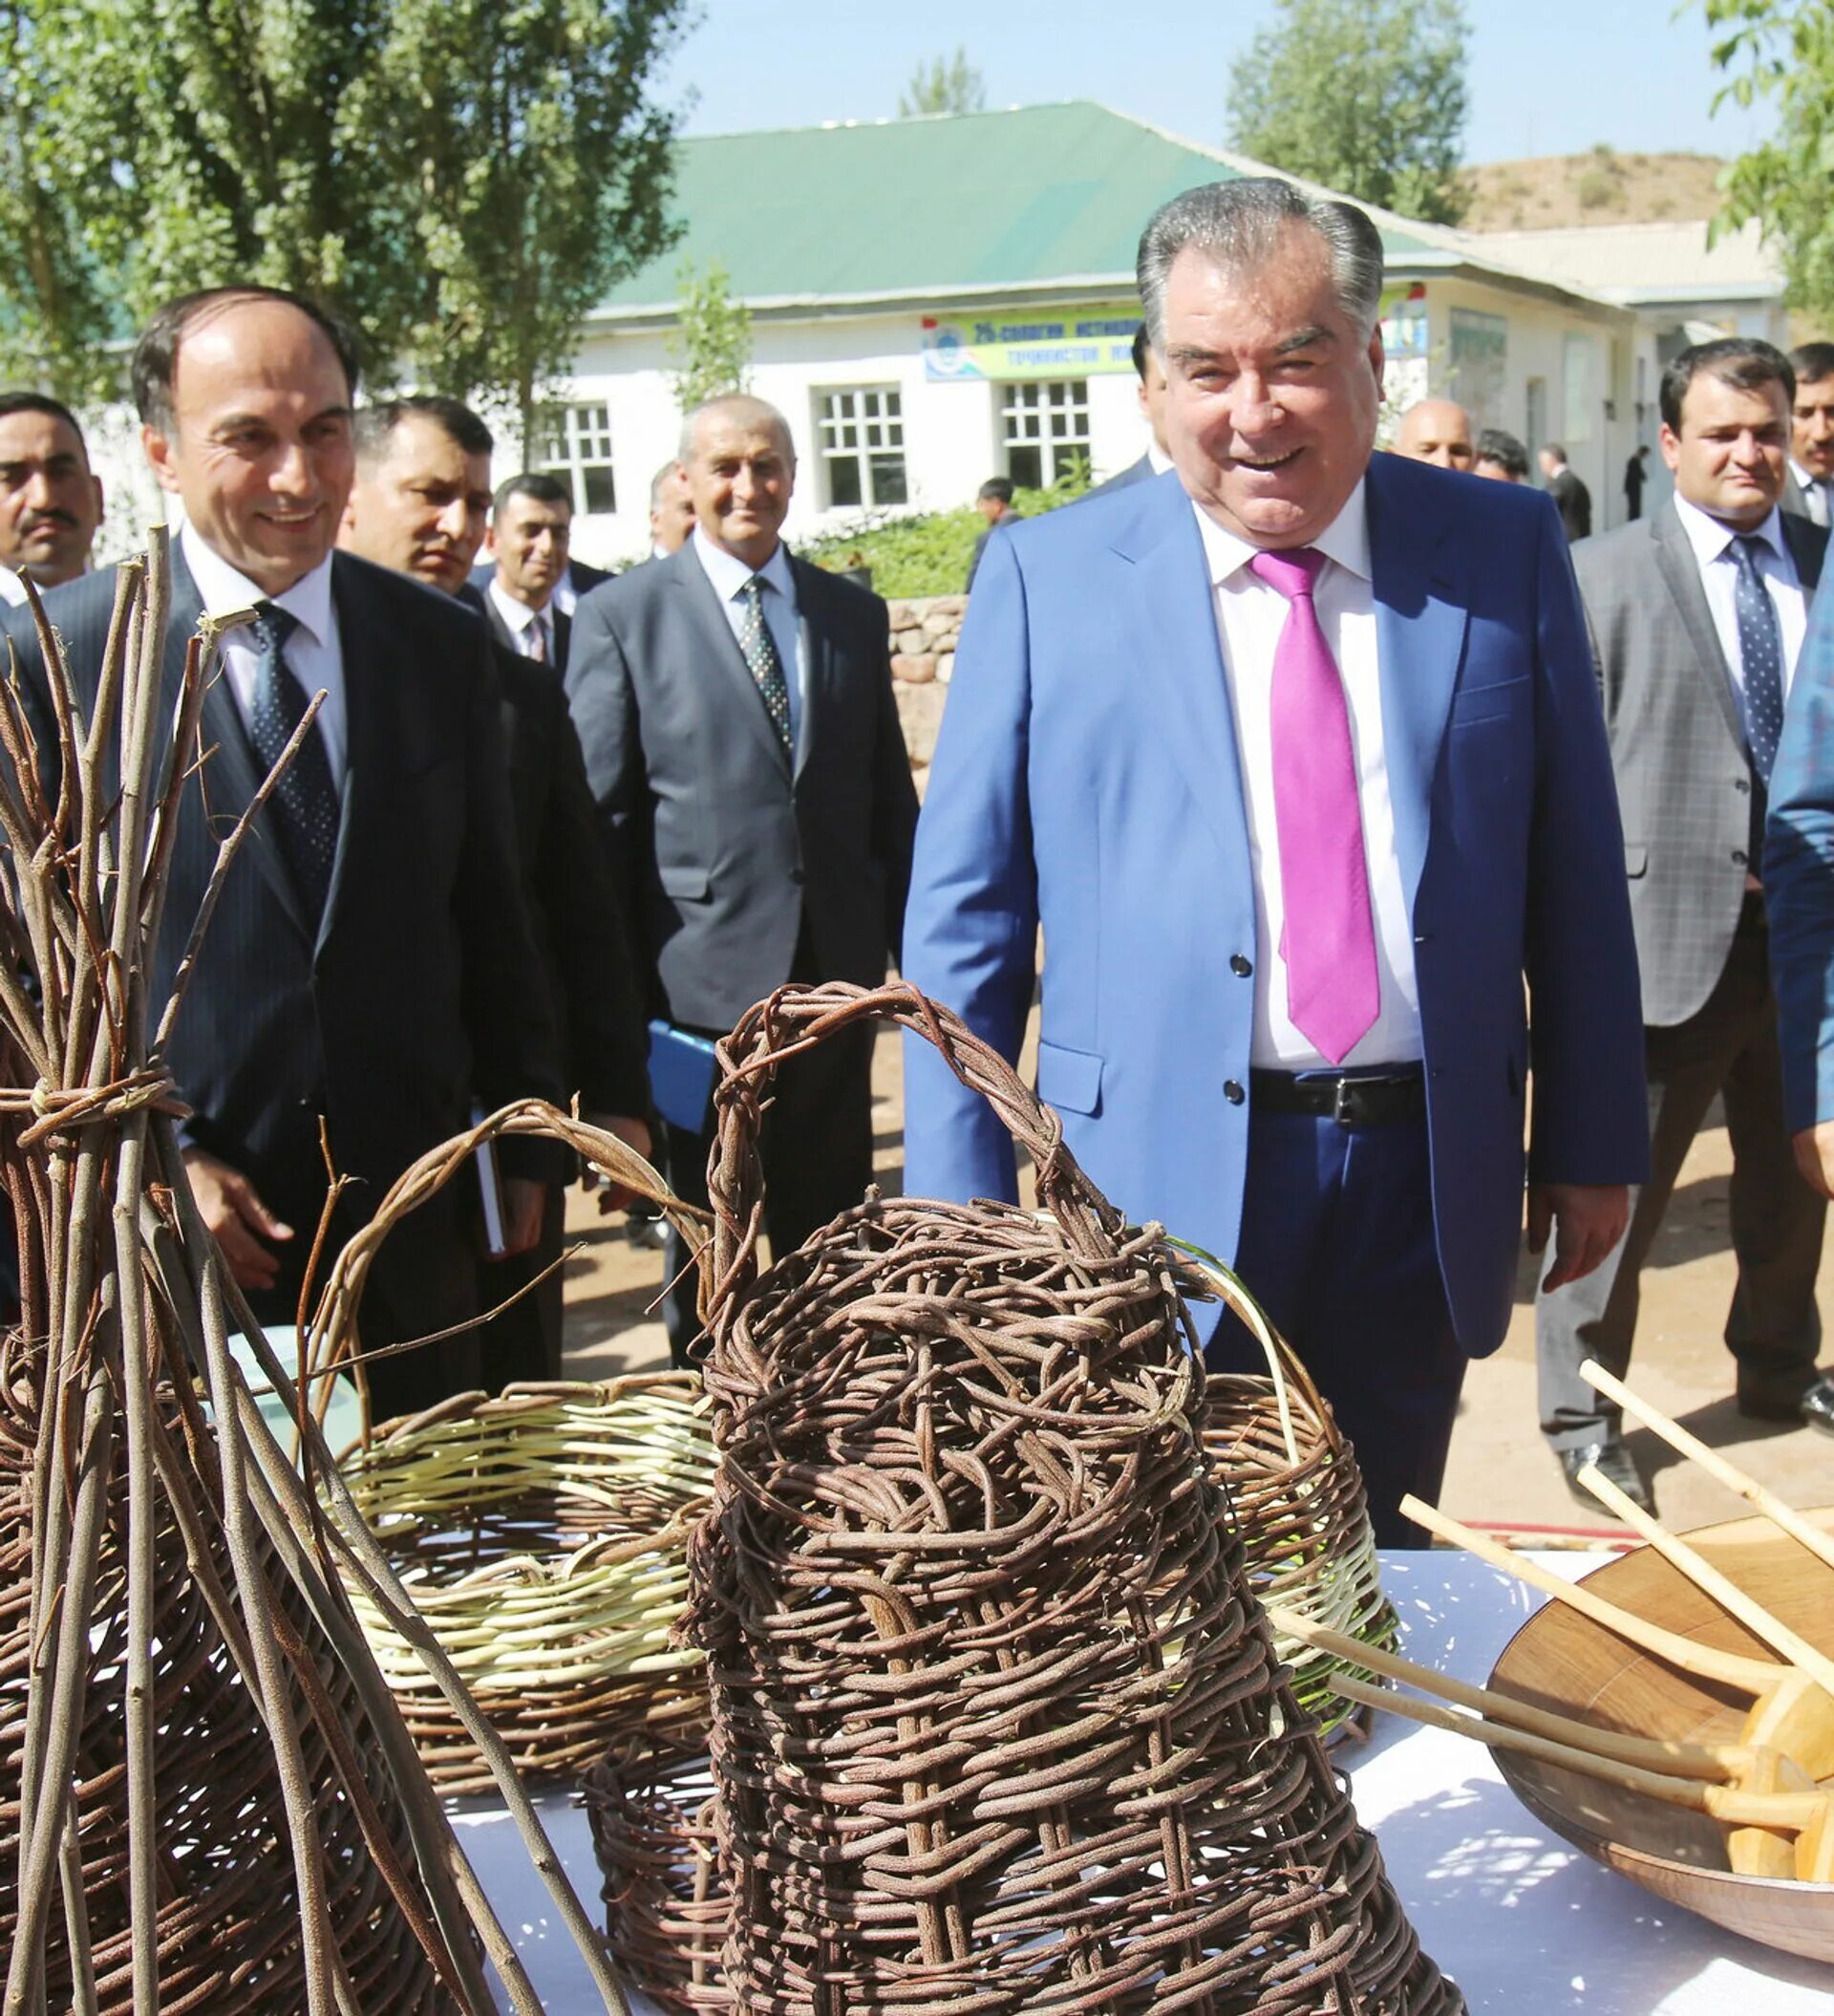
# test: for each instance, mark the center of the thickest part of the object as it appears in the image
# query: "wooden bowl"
(1560, 1661)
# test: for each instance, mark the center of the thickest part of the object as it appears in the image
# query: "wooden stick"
(1684, 1760)
(1784, 1516)
(1711, 1581)
(1730, 1669)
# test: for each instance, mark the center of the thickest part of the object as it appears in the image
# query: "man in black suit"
(576, 578)
(1808, 492)
(530, 528)
(1156, 459)
(1572, 500)
(993, 501)
(367, 966)
(740, 734)
(418, 506)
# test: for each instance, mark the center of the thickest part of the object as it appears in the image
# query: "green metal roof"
(972, 204)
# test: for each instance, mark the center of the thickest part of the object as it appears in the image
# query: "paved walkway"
(1501, 1472)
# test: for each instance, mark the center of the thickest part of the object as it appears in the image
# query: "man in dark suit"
(577, 577)
(1697, 614)
(418, 506)
(1808, 490)
(993, 501)
(736, 711)
(1572, 500)
(530, 526)
(365, 968)
(1155, 460)
(1294, 757)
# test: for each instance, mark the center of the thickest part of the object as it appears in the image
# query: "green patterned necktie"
(766, 668)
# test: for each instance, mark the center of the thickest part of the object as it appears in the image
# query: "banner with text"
(1027, 343)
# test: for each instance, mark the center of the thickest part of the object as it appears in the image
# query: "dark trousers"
(523, 1342)
(1337, 1246)
(1773, 1330)
(816, 1152)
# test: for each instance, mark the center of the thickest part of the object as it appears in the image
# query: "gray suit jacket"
(1685, 784)
(723, 852)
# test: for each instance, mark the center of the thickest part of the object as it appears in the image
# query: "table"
(1524, 1923)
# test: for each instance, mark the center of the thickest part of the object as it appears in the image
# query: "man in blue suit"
(1296, 756)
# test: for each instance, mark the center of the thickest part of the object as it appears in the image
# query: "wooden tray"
(1561, 1661)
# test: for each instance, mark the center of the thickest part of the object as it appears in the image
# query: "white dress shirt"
(1815, 494)
(1711, 543)
(728, 577)
(522, 621)
(567, 594)
(1156, 455)
(314, 652)
(1250, 617)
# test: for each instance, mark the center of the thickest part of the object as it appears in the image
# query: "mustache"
(33, 520)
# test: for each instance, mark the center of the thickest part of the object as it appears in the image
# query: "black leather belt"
(1361, 1099)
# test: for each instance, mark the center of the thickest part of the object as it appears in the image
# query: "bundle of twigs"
(207, 1799)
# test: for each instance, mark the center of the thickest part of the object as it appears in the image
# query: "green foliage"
(1783, 49)
(927, 553)
(944, 84)
(1366, 97)
(462, 178)
(711, 344)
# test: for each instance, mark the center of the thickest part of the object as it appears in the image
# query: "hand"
(524, 1201)
(1815, 1157)
(240, 1222)
(1588, 1220)
(634, 1134)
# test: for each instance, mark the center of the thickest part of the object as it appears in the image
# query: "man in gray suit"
(1809, 492)
(1697, 616)
(740, 735)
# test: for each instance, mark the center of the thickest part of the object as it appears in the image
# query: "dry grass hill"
(1599, 187)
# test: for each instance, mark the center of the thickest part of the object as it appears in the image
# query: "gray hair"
(1238, 223)
(741, 405)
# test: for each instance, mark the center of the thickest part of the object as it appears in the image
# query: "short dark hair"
(1000, 486)
(375, 424)
(27, 402)
(1508, 454)
(156, 356)
(536, 483)
(1812, 361)
(1745, 362)
(1554, 449)
(1143, 343)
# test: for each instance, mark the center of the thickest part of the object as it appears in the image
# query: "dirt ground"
(1501, 1472)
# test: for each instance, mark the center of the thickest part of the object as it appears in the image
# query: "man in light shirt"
(1697, 614)
(1297, 762)
(365, 968)
(1809, 492)
(50, 504)
(530, 529)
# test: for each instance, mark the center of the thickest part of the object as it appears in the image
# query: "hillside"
(1598, 187)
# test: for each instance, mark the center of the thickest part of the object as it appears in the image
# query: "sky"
(1546, 76)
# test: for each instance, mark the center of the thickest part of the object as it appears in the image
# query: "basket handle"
(794, 1019)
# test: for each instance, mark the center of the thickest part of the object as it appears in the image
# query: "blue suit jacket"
(1086, 781)
(1798, 877)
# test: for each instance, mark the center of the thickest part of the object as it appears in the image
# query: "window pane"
(1026, 468)
(843, 481)
(888, 478)
(600, 493)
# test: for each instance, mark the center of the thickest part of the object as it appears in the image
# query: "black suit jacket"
(1573, 501)
(410, 995)
(725, 850)
(561, 628)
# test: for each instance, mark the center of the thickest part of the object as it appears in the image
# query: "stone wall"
(924, 631)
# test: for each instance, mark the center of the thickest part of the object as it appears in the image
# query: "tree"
(1366, 97)
(462, 180)
(712, 340)
(945, 84)
(1782, 50)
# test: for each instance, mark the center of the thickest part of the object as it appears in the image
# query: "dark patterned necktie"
(766, 668)
(538, 638)
(1760, 656)
(304, 805)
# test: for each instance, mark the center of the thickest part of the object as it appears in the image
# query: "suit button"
(1233, 1092)
(1740, 858)
(1241, 967)
(1742, 784)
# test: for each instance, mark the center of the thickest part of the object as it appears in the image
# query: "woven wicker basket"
(1298, 1495)
(650, 1803)
(542, 1536)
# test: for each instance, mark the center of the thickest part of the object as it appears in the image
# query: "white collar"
(1344, 540)
(1804, 478)
(517, 614)
(1157, 459)
(1710, 537)
(308, 601)
(730, 574)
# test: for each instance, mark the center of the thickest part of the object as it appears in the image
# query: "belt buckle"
(1341, 1112)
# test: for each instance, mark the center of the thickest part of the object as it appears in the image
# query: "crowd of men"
(1299, 757)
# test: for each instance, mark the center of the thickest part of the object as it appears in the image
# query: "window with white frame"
(1044, 427)
(860, 429)
(575, 445)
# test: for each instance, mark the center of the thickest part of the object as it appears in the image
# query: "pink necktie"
(1329, 941)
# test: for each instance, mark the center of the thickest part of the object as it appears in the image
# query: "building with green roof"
(937, 300)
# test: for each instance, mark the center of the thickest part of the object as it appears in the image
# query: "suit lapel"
(1182, 662)
(1419, 640)
(1805, 548)
(726, 662)
(367, 696)
(818, 659)
(1681, 571)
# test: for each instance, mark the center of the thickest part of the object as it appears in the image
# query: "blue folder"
(681, 1075)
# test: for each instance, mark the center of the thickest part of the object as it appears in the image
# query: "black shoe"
(1813, 1408)
(1613, 1462)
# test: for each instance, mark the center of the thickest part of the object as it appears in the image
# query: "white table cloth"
(1524, 1923)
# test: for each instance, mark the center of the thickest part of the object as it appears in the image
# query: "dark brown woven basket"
(996, 1724)
(667, 1905)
